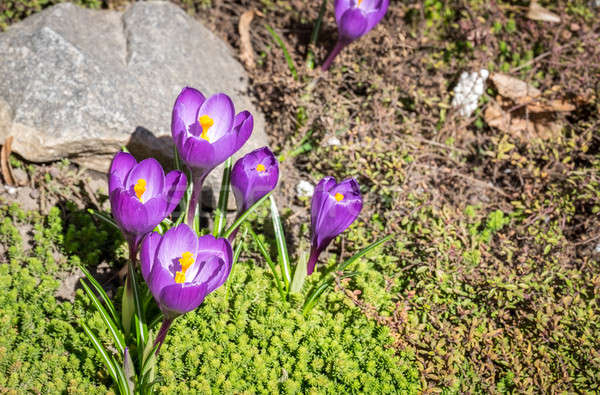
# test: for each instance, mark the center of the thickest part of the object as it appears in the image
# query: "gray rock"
(81, 83)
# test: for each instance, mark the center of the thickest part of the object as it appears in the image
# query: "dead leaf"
(538, 13)
(4, 161)
(247, 53)
(513, 88)
(521, 123)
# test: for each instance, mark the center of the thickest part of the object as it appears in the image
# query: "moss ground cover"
(492, 279)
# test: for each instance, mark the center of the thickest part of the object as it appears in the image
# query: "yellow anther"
(339, 197)
(186, 260)
(205, 122)
(359, 1)
(139, 188)
(180, 277)
(260, 167)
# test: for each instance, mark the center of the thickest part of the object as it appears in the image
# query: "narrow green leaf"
(310, 57)
(128, 371)
(140, 327)
(127, 307)
(236, 256)
(98, 288)
(104, 218)
(220, 212)
(299, 273)
(121, 379)
(286, 54)
(363, 252)
(110, 324)
(265, 253)
(106, 358)
(177, 159)
(185, 202)
(283, 257)
(244, 215)
(313, 297)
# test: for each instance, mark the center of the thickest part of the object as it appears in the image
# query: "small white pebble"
(334, 141)
(597, 249)
(305, 189)
(10, 190)
(467, 92)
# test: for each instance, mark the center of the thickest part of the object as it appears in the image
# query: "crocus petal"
(177, 299)
(120, 167)
(223, 149)
(175, 186)
(198, 153)
(353, 24)
(340, 7)
(148, 253)
(376, 14)
(249, 184)
(155, 211)
(175, 242)
(186, 106)
(151, 171)
(210, 271)
(220, 108)
(368, 5)
(243, 125)
(129, 212)
(319, 197)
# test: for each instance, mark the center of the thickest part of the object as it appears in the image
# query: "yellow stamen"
(260, 167)
(139, 188)
(186, 260)
(339, 197)
(359, 1)
(205, 122)
(180, 277)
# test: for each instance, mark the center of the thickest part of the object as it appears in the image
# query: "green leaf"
(363, 252)
(286, 54)
(185, 202)
(220, 212)
(299, 273)
(98, 288)
(244, 215)
(283, 257)
(140, 326)
(310, 57)
(106, 358)
(110, 324)
(128, 371)
(265, 253)
(236, 256)
(104, 218)
(127, 307)
(313, 297)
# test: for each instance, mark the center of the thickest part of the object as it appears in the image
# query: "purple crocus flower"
(252, 177)
(181, 268)
(206, 133)
(334, 207)
(354, 18)
(141, 196)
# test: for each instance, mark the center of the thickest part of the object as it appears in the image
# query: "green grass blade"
(220, 213)
(98, 288)
(286, 54)
(177, 159)
(106, 358)
(236, 256)
(185, 202)
(313, 297)
(110, 324)
(104, 218)
(283, 257)
(265, 253)
(140, 327)
(363, 252)
(244, 215)
(310, 57)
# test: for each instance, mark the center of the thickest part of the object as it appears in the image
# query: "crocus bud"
(355, 18)
(207, 132)
(141, 196)
(253, 176)
(181, 268)
(334, 207)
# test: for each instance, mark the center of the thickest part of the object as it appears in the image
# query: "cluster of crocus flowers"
(181, 268)
(206, 132)
(333, 208)
(354, 18)
(141, 196)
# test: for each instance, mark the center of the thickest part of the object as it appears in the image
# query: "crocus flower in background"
(354, 18)
(252, 177)
(334, 207)
(181, 268)
(206, 133)
(141, 196)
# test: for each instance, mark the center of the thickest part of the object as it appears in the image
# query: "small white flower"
(467, 92)
(305, 189)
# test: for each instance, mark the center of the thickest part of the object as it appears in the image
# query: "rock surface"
(80, 83)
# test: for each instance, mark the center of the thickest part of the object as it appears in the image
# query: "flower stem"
(162, 333)
(195, 200)
(339, 45)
